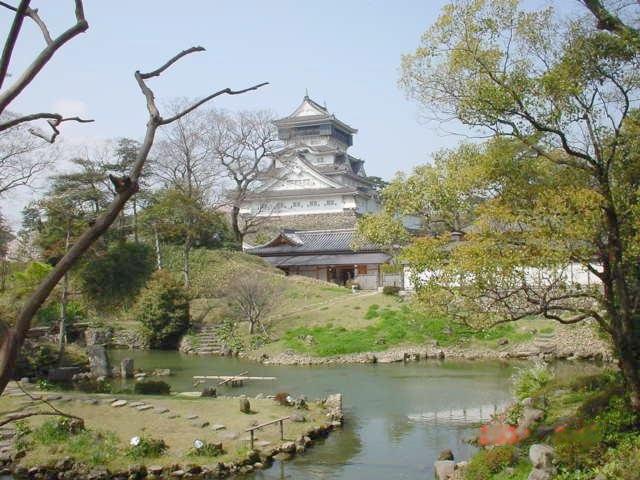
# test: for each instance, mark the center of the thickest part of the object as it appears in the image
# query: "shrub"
(578, 448)
(528, 381)
(21, 440)
(623, 462)
(488, 462)
(597, 382)
(618, 418)
(142, 447)
(94, 385)
(116, 276)
(50, 314)
(36, 359)
(94, 448)
(56, 431)
(152, 387)
(163, 310)
(391, 290)
(205, 449)
(372, 312)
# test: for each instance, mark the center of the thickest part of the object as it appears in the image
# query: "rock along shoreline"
(68, 469)
(579, 343)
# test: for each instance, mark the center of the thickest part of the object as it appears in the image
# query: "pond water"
(398, 417)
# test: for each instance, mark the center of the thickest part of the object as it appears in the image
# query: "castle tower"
(314, 183)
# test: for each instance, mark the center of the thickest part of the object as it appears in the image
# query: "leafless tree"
(13, 337)
(10, 93)
(182, 158)
(252, 297)
(22, 156)
(182, 162)
(243, 144)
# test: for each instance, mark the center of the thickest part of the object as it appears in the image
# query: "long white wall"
(572, 274)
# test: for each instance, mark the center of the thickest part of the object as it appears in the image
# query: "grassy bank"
(587, 420)
(106, 441)
(395, 324)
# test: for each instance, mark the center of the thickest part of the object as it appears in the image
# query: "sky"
(344, 53)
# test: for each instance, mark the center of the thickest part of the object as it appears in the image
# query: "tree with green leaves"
(558, 184)
(123, 158)
(185, 218)
(163, 310)
(114, 276)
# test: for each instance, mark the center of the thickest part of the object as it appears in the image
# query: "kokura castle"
(311, 197)
(313, 181)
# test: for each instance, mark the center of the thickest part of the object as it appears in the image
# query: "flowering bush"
(205, 449)
(141, 447)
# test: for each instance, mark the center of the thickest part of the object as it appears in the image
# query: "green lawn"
(380, 327)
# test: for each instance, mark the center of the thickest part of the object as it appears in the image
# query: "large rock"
(446, 455)
(539, 474)
(97, 336)
(541, 456)
(528, 419)
(98, 361)
(126, 368)
(334, 404)
(444, 469)
(245, 406)
(62, 374)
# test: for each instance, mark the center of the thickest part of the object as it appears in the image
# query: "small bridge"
(460, 416)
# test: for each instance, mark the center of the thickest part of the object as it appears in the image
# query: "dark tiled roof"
(308, 241)
(334, 259)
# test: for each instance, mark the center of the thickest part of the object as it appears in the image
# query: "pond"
(399, 417)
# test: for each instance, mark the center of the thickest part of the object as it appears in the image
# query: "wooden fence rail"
(279, 420)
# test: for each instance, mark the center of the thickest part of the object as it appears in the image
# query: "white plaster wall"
(325, 204)
(573, 274)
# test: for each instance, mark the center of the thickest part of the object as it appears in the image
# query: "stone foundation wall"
(322, 221)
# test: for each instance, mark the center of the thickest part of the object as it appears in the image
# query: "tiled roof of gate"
(305, 241)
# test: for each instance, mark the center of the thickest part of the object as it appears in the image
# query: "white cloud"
(69, 107)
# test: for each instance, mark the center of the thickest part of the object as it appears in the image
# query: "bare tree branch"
(7, 96)
(227, 91)
(158, 71)
(15, 337)
(12, 38)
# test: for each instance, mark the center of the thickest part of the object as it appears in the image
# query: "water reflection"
(385, 435)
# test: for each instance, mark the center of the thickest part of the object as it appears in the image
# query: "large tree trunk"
(157, 245)
(235, 224)
(135, 219)
(9, 349)
(628, 350)
(62, 334)
(186, 271)
(4, 268)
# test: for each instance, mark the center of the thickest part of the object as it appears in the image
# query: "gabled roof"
(305, 242)
(309, 108)
(312, 113)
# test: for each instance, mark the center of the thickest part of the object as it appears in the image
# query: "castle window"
(279, 206)
(313, 203)
(295, 204)
(330, 202)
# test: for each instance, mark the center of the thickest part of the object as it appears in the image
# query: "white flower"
(198, 444)
(135, 441)
(289, 399)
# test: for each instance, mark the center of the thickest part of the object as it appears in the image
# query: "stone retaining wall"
(328, 221)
